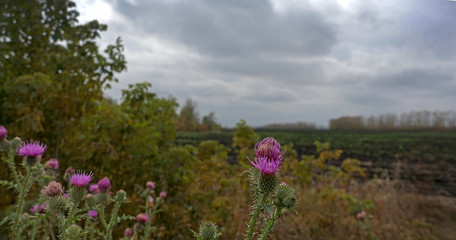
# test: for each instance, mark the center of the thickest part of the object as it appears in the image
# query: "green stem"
(268, 227)
(10, 163)
(34, 229)
(68, 220)
(114, 213)
(254, 217)
(16, 227)
(102, 218)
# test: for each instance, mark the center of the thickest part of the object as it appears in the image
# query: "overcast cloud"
(287, 60)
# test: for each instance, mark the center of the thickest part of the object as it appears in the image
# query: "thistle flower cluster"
(152, 205)
(65, 208)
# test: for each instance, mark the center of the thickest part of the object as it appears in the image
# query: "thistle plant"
(264, 181)
(152, 206)
(32, 152)
(271, 199)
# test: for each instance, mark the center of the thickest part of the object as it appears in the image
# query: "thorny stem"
(16, 227)
(268, 227)
(254, 217)
(67, 221)
(114, 213)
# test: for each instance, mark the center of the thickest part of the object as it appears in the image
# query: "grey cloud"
(233, 28)
(376, 57)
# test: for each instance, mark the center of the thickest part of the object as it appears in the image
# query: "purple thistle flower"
(127, 232)
(52, 163)
(142, 217)
(93, 213)
(33, 208)
(3, 133)
(93, 188)
(42, 208)
(150, 185)
(31, 149)
(65, 195)
(265, 165)
(163, 194)
(269, 148)
(80, 178)
(104, 184)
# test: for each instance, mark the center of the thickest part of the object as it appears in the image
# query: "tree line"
(414, 120)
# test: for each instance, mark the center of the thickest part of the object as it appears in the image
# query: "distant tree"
(51, 69)
(209, 123)
(188, 117)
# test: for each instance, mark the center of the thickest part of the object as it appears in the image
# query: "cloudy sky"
(287, 60)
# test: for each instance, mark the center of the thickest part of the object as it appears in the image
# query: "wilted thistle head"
(69, 171)
(207, 231)
(142, 218)
(53, 189)
(80, 178)
(104, 184)
(269, 148)
(150, 185)
(52, 163)
(127, 232)
(93, 213)
(32, 151)
(163, 194)
(3, 133)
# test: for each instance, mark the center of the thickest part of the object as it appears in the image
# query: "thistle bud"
(142, 217)
(52, 164)
(150, 185)
(93, 188)
(104, 184)
(16, 142)
(138, 227)
(268, 183)
(102, 197)
(90, 200)
(73, 232)
(127, 232)
(93, 213)
(284, 197)
(56, 205)
(3, 133)
(77, 194)
(163, 194)
(121, 195)
(207, 231)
